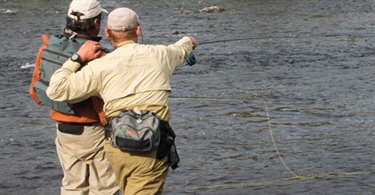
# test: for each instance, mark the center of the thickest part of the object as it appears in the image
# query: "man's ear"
(138, 31)
(106, 33)
(97, 22)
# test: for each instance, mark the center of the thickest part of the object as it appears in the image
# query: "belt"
(74, 128)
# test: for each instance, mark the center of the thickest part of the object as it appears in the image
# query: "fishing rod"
(280, 37)
(238, 39)
(191, 58)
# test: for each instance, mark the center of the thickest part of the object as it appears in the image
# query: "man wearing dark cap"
(79, 136)
(132, 77)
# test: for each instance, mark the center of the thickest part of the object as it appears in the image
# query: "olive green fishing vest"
(58, 51)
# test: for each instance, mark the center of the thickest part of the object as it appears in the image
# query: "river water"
(290, 110)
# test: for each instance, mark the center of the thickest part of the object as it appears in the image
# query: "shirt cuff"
(187, 45)
(71, 65)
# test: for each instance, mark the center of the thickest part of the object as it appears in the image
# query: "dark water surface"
(307, 76)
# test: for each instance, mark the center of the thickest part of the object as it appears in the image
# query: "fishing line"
(276, 37)
(208, 53)
(268, 121)
(238, 185)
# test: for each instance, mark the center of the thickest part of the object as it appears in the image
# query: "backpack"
(58, 51)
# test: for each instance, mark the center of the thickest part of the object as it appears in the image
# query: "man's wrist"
(76, 58)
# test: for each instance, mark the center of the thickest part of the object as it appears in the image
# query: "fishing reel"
(191, 59)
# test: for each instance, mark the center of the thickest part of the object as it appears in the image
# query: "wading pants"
(86, 168)
(138, 172)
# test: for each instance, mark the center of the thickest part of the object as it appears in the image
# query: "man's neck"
(73, 34)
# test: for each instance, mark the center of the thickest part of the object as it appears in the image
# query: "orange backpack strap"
(36, 74)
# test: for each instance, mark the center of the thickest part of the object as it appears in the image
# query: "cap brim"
(105, 11)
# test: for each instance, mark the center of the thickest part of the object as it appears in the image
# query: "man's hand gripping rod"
(191, 58)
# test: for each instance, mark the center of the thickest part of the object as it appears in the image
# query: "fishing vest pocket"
(40, 89)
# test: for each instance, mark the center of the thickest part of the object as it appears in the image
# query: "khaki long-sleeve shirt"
(132, 75)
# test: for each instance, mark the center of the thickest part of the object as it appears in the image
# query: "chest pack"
(58, 50)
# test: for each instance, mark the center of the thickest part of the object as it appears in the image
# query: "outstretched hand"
(194, 41)
(90, 50)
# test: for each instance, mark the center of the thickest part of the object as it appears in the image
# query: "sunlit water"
(306, 77)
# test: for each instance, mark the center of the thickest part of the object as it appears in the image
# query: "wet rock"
(7, 11)
(176, 33)
(211, 9)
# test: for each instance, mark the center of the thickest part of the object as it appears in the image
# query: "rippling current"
(290, 110)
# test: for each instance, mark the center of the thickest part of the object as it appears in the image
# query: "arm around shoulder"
(60, 85)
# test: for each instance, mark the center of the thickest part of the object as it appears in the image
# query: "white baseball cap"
(122, 19)
(89, 9)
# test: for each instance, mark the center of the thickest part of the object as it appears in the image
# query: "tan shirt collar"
(125, 43)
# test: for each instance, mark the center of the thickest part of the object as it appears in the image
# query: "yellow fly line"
(260, 183)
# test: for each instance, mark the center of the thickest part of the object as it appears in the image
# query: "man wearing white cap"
(79, 135)
(132, 77)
